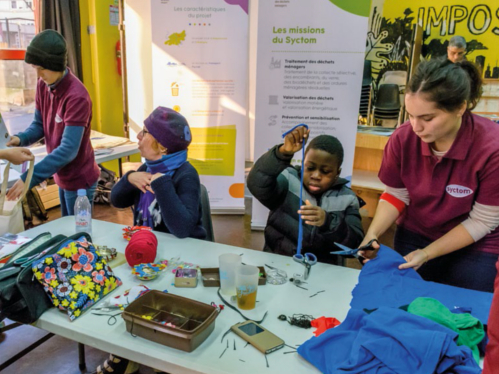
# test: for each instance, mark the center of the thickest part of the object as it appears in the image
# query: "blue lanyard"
(300, 226)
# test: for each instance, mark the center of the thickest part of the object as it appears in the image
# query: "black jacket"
(276, 184)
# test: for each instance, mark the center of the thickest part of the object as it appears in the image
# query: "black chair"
(206, 211)
(387, 103)
(388, 97)
(367, 74)
(366, 92)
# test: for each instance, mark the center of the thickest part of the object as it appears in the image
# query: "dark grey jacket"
(276, 184)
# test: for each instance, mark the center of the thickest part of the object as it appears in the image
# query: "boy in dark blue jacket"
(331, 210)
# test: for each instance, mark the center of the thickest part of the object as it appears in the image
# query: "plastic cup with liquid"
(227, 264)
(246, 286)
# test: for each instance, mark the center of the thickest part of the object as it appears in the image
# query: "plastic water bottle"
(83, 213)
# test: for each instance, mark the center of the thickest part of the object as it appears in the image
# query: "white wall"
(139, 64)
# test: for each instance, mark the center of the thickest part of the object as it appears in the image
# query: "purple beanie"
(169, 128)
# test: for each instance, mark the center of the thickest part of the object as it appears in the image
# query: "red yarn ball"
(142, 248)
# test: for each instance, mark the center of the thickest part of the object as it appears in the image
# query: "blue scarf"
(167, 165)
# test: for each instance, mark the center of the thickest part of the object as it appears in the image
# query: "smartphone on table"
(259, 337)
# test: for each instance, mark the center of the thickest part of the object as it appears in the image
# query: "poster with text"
(200, 69)
(309, 70)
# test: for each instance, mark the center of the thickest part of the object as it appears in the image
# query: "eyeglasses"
(143, 132)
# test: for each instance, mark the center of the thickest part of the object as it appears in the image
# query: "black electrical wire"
(242, 315)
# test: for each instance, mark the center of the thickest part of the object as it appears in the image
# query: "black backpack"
(105, 183)
(22, 297)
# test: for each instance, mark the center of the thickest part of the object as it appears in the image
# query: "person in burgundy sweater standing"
(63, 114)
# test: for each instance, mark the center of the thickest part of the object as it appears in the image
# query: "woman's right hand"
(14, 141)
(141, 180)
(294, 141)
(368, 255)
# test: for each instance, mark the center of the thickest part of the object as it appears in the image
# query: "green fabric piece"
(469, 328)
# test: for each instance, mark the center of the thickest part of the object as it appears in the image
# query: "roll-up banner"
(310, 59)
(200, 69)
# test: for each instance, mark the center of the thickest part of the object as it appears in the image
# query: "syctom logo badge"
(458, 191)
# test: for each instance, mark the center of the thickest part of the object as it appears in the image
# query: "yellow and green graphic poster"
(310, 60)
(197, 72)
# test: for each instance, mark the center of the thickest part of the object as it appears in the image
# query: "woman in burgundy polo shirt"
(441, 171)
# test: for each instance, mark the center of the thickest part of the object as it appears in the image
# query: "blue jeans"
(465, 268)
(68, 199)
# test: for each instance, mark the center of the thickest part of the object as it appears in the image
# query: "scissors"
(307, 260)
(346, 251)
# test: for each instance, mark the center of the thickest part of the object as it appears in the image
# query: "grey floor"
(60, 355)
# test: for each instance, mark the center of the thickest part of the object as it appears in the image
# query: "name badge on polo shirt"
(58, 119)
(458, 191)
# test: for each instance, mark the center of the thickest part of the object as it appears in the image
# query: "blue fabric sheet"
(388, 341)
(391, 340)
(381, 283)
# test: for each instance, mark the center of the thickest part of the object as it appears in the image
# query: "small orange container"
(171, 320)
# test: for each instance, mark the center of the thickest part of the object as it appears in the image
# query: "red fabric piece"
(323, 323)
(397, 203)
(491, 361)
(142, 248)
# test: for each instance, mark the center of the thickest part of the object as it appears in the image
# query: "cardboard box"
(186, 278)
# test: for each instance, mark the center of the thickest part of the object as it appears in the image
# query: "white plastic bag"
(11, 212)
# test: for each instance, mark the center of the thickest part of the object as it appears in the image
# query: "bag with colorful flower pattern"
(76, 277)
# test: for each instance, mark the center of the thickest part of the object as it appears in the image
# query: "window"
(17, 79)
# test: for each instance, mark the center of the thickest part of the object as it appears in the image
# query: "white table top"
(40, 152)
(287, 299)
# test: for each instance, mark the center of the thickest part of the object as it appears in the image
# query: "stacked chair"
(365, 97)
(387, 104)
(396, 77)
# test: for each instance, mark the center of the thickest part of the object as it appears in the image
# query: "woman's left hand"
(16, 190)
(415, 260)
(313, 215)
